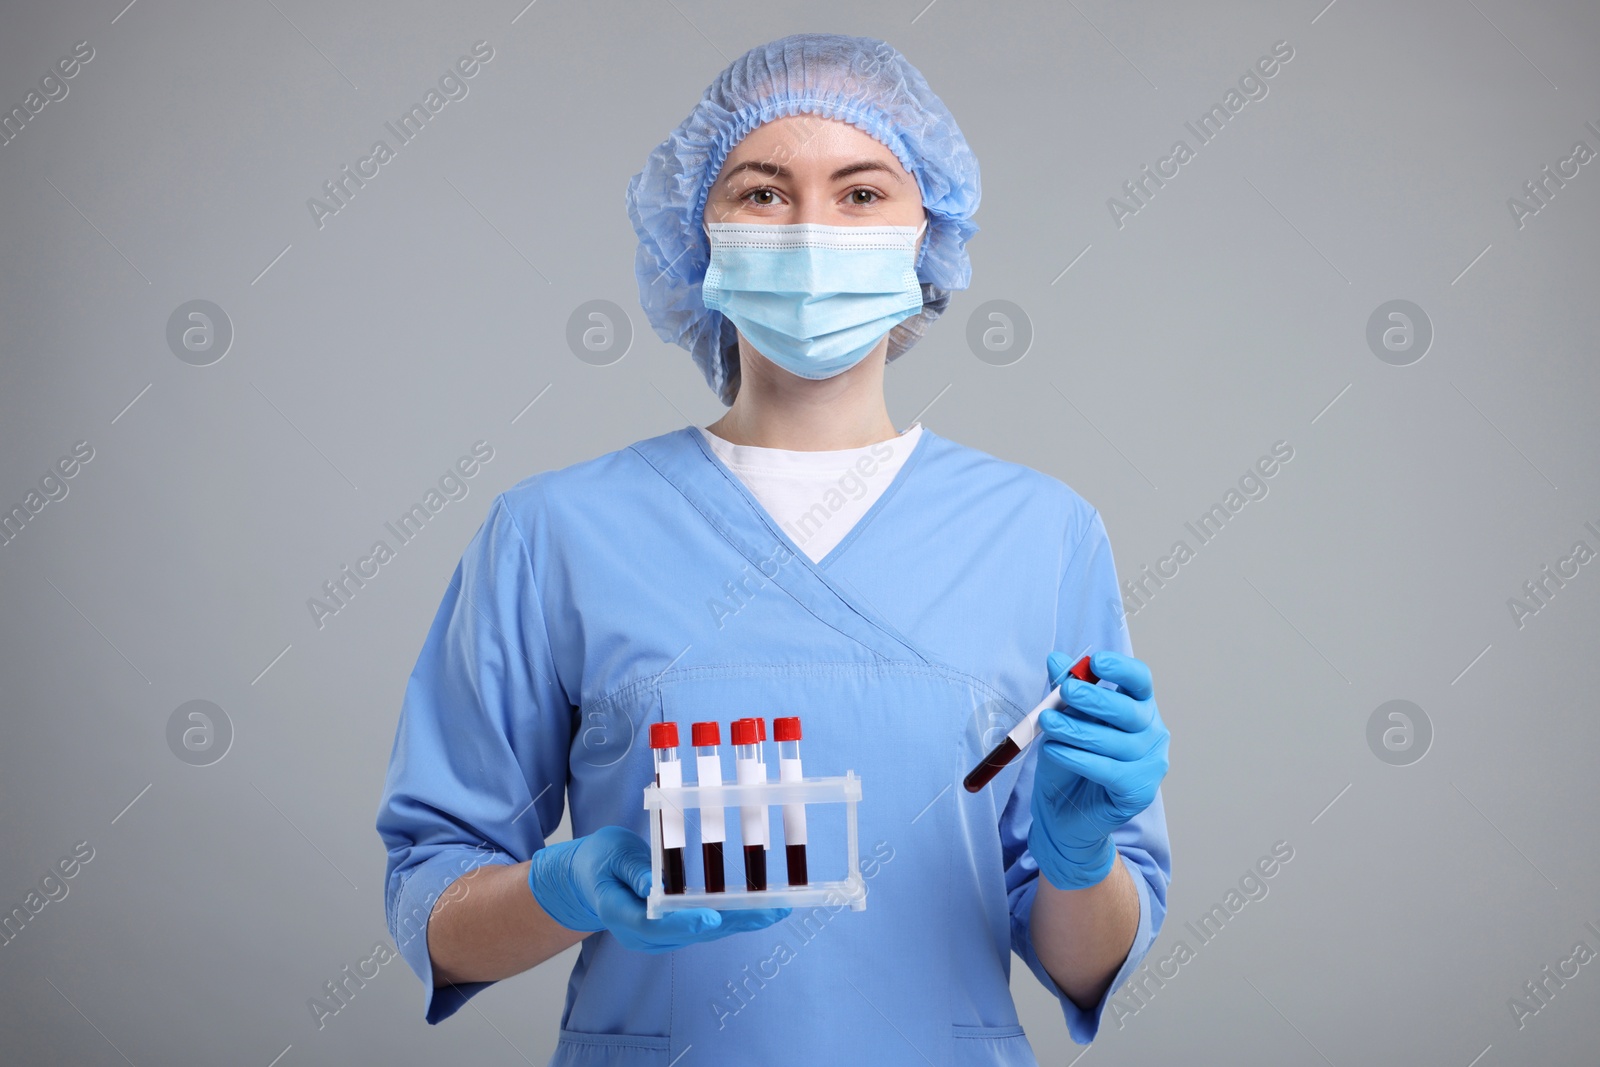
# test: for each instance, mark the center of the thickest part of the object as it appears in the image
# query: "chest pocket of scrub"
(929, 952)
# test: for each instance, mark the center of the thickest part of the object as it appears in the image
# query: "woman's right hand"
(599, 882)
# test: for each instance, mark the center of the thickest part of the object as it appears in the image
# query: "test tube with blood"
(713, 827)
(669, 775)
(1024, 732)
(761, 757)
(786, 732)
(748, 770)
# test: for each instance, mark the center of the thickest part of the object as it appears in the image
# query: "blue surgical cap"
(859, 80)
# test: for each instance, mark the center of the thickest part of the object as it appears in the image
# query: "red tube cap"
(744, 732)
(705, 733)
(663, 735)
(786, 729)
(1080, 670)
(761, 729)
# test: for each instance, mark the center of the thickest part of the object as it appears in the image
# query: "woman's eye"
(863, 196)
(755, 196)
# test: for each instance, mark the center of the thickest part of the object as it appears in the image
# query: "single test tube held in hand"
(786, 732)
(1024, 732)
(713, 825)
(669, 775)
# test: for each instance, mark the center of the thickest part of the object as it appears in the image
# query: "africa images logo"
(452, 86)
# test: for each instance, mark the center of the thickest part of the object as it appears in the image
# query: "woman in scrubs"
(908, 597)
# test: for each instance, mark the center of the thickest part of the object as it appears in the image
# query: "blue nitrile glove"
(1100, 763)
(599, 882)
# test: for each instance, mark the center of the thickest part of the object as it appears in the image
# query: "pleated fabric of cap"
(859, 80)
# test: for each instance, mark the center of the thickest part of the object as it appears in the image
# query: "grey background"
(1228, 314)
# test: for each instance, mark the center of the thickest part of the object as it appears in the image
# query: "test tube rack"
(846, 790)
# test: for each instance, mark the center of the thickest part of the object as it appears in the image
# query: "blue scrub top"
(648, 585)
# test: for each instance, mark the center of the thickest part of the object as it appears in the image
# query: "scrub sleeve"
(1088, 618)
(480, 705)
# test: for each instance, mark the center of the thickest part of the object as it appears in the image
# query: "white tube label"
(670, 776)
(1025, 731)
(794, 815)
(709, 772)
(752, 818)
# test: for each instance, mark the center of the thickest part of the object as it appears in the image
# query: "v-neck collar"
(776, 527)
(684, 459)
(828, 558)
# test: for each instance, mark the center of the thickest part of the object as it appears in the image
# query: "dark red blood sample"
(711, 853)
(672, 876)
(796, 856)
(664, 735)
(755, 867)
(1007, 750)
(992, 764)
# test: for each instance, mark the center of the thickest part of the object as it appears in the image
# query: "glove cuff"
(1076, 866)
(554, 886)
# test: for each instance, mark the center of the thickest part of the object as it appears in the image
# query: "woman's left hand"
(1100, 764)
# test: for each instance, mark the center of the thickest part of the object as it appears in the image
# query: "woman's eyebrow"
(778, 170)
(857, 168)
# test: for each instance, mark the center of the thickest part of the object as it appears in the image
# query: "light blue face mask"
(813, 299)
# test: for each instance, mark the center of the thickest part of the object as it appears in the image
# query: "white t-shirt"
(816, 497)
